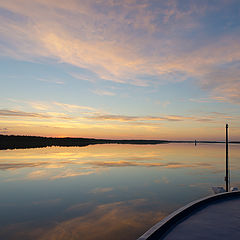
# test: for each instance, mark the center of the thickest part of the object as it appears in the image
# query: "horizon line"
(130, 139)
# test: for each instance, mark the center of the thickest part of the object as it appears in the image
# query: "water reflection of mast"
(227, 177)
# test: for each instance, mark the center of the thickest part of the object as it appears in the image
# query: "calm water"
(104, 191)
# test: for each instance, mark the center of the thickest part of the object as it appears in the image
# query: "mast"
(227, 177)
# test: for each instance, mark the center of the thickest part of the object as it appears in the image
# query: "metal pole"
(227, 178)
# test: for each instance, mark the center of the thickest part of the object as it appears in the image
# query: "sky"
(120, 69)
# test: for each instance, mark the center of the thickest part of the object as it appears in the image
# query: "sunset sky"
(121, 69)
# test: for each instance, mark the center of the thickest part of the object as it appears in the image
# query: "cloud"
(15, 113)
(125, 118)
(103, 92)
(84, 77)
(38, 105)
(71, 116)
(49, 115)
(48, 106)
(112, 40)
(73, 107)
(148, 119)
(200, 100)
(223, 80)
(51, 81)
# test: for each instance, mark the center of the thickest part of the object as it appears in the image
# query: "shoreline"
(22, 142)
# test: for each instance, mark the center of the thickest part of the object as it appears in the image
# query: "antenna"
(227, 177)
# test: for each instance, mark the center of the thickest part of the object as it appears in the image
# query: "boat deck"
(220, 220)
(215, 217)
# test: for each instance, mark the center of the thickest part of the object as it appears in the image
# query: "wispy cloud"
(200, 100)
(15, 113)
(168, 118)
(115, 46)
(84, 77)
(22, 114)
(51, 106)
(125, 118)
(38, 105)
(51, 80)
(75, 114)
(73, 107)
(103, 92)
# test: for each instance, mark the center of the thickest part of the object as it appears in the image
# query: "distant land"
(17, 141)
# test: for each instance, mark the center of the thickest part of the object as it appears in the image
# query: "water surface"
(104, 191)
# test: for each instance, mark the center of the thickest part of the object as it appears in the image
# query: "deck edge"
(160, 228)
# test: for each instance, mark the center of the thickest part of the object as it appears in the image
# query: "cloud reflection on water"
(58, 163)
(51, 171)
(113, 189)
(116, 220)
